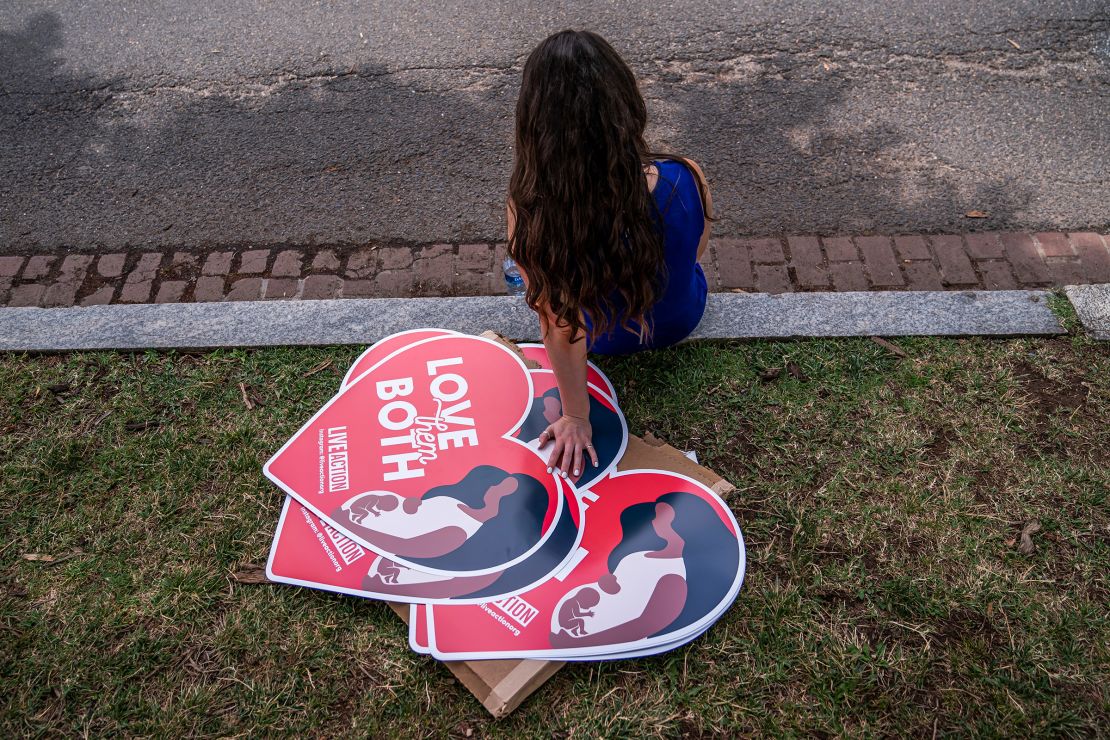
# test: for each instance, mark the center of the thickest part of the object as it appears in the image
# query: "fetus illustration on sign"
(674, 563)
(488, 518)
(388, 577)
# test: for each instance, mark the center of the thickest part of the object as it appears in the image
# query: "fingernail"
(564, 473)
(549, 468)
(576, 471)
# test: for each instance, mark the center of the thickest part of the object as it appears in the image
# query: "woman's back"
(679, 308)
(583, 226)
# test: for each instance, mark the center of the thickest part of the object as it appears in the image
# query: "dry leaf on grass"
(889, 346)
(251, 573)
(770, 374)
(1027, 532)
(1014, 44)
(141, 426)
(41, 557)
(246, 398)
(795, 371)
(322, 366)
(977, 214)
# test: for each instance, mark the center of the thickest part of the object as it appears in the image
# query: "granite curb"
(364, 321)
(1092, 305)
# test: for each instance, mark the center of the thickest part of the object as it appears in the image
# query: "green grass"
(881, 499)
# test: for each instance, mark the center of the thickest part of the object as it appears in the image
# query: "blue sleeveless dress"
(680, 307)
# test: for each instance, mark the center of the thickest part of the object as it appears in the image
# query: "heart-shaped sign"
(386, 346)
(415, 460)
(309, 551)
(661, 559)
(610, 431)
(419, 642)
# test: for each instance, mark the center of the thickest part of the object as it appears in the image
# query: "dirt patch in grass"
(1049, 396)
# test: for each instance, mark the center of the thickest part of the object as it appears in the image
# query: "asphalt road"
(170, 125)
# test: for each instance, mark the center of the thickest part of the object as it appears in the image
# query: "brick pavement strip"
(245, 289)
(38, 267)
(997, 275)
(848, 276)
(111, 265)
(840, 249)
(807, 261)
(63, 291)
(253, 261)
(955, 267)
(1021, 252)
(734, 263)
(325, 261)
(772, 279)
(1094, 252)
(9, 266)
(139, 283)
(912, 247)
(766, 251)
(218, 263)
(1054, 245)
(984, 246)
(170, 291)
(922, 275)
(976, 261)
(878, 255)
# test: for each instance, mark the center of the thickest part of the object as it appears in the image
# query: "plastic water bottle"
(514, 283)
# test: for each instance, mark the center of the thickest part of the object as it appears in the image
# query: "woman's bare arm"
(568, 361)
(707, 203)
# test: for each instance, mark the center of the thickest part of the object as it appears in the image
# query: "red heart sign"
(661, 558)
(310, 551)
(538, 354)
(383, 348)
(415, 459)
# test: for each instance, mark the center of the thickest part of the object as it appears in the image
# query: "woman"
(606, 233)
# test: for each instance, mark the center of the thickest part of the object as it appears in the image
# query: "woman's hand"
(573, 443)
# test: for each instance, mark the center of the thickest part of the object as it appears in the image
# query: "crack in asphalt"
(800, 126)
(740, 68)
(1085, 37)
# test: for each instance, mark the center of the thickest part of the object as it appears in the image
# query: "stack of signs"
(421, 482)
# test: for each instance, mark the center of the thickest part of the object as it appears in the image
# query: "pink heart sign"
(309, 551)
(661, 559)
(383, 348)
(415, 460)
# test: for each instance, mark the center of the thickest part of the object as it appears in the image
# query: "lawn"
(883, 500)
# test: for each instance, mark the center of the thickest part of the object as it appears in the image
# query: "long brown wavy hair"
(587, 227)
